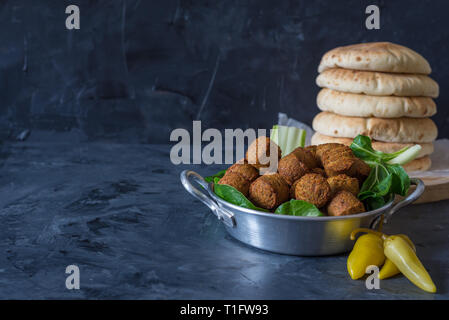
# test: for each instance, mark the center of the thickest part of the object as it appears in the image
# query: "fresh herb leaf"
(299, 208)
(387, 176)
(362, 148)
(374, 203)
(400, 179)
(232, 195)
(405, 155)
(378, 183)
(219, 175)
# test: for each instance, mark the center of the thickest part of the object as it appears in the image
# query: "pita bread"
(404, 130)
(378, 83)
(376, 56)
(362, 105)
(387, 147)
(420, 164)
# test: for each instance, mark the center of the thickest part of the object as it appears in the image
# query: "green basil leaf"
(388, 156)
(371, 181)
(384, 179)
(378, 182)
(219, 175)
(384, 186)
(374, 203)
(299, 208)
(366, 195)
(362, 148)
(400, 179)
(232, 195)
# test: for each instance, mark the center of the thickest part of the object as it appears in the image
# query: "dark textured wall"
(138, 69)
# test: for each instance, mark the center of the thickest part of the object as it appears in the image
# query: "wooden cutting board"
(437, 188)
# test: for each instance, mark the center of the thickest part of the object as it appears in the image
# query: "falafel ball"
(319, 171)
(247, 171)
(269, 191)
(341, 165)
(314, 189)
(311, 149)
(259, 151)
(323, 148)
(306, 156)
(338, 152)
(291, 168)
(361, 170)
(343, 182)
(237, 181)
(292, 189)
(351, 166)
(344, 203)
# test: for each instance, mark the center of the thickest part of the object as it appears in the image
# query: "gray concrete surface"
(119, 212)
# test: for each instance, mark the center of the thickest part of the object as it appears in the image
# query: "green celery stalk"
(288, 138)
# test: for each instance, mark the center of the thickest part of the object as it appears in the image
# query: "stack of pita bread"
(381, 90)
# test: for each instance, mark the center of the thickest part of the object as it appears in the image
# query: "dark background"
(138, 69)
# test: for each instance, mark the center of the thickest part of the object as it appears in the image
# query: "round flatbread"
(376, 56)
(420, 164)
(378, 83)
(387, 147)
(404, 130)
(362, 105)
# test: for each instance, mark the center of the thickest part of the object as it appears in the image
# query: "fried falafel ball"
(340, 165)
(306, 156)
(361, 170)
(344, 203)
(343, 182)
(350, 166)
(338, 152)
(259, 152)
(312, 149)
(296, 164)
(292, 189)
(269, 191)
(237, 181)
(339, 159)
(314, 189)
(247, 171)
(319, 171)
(323, 148)
(291, 168)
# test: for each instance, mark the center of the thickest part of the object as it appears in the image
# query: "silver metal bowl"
(294, 235)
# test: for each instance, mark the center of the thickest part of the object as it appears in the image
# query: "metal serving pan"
(303, 236)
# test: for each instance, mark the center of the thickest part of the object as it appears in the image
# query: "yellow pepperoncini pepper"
(367, 251)
(389, 269)
(399, 251)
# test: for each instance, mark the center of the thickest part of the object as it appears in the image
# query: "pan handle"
(409, 199)
(204, 195)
